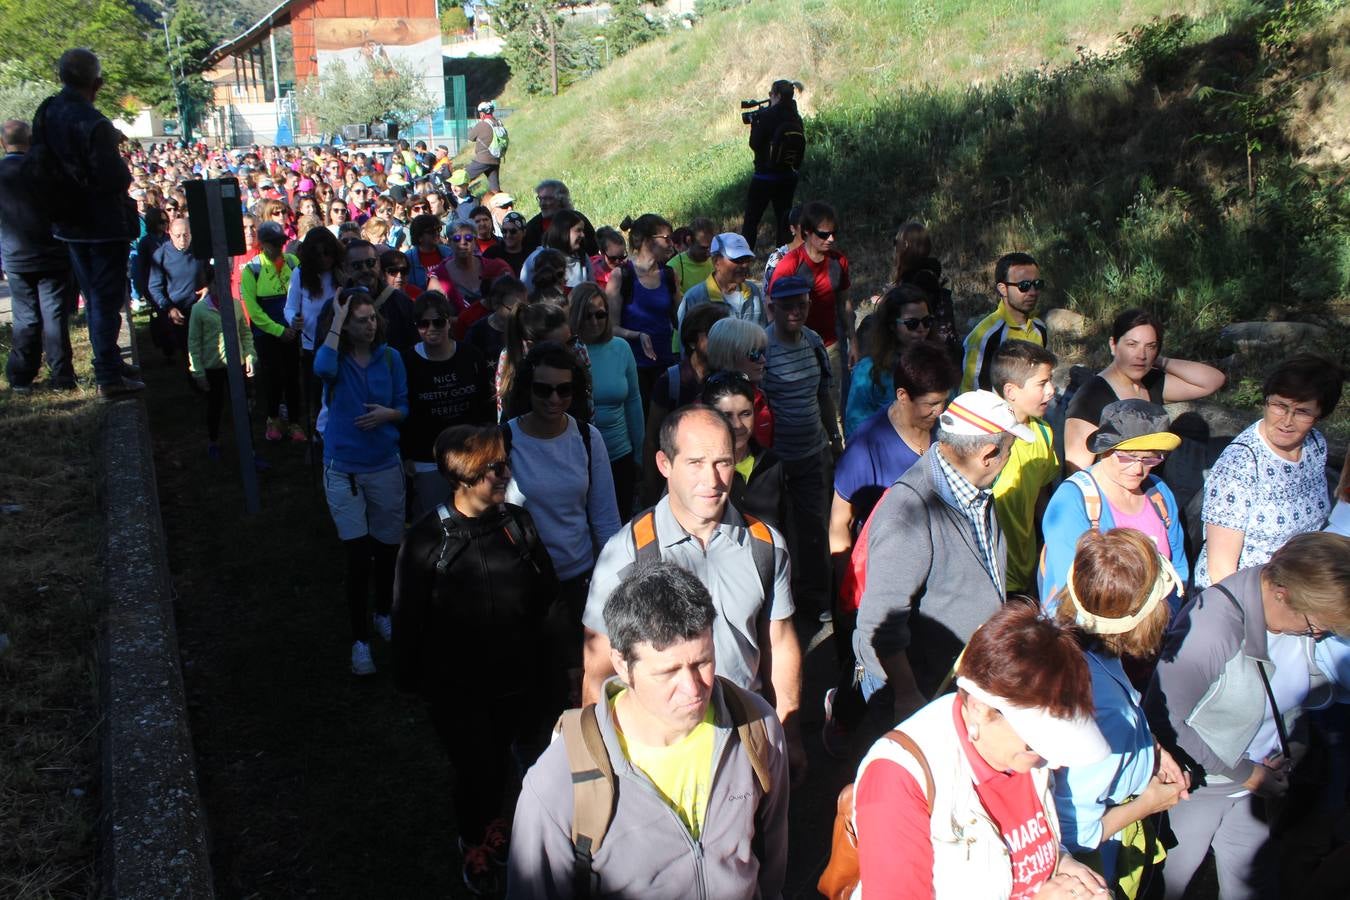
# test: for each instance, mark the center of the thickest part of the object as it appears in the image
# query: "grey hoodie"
(648, 852)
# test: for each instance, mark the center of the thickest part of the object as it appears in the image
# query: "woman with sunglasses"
(475, 587)
(560, 473)
(338, 215)
(448, 384)
(739, 345)
(614, 389)
(1118, 490)
(1238, 669)
(511, 248)
(471, 273)
(758, 486)
(902, 319)
(365, 397)
(1138, 371)
(613, 253)
(1270, 483)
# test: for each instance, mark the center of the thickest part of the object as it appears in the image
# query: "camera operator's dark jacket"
(764, 127)
(87, 143)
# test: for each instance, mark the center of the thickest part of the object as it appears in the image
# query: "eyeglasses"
(616, 260)
(461, 238)
(755, 354)
(1129, 459)
(339, 210)
(499, 468)
(545, 198)
(824, 235)
(437, 323)
(1027, 284)
(544, 391)
(662, 237)
(421, 207)
(506, 205)
(916, 324)
(1283, 410)
(598, 315)
(363, 265)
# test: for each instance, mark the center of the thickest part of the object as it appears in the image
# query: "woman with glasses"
(365, 397)
(276, 210)
(511, 248)
(1238, 669)
(613, 253)
(758, 486)
(1270, 483)
(739, 345)
(338, 215)
(901, 319)
(448, 384)
(475, 587)
(614, 389)
(1138, 371)
(1118, 490)
(471, 274)
(560, 473)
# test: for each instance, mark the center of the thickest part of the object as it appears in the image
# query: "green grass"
(1108, 138)
(51, 530)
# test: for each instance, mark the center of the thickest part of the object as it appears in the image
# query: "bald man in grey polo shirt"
(699, 530)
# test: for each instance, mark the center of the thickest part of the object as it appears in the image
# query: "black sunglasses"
(1028, 284)
(598, 315)
(510, 231)
(424, 324)
(359, 265)
(824, 235)
(616, 260)
(727, 376)
(500, 468)
(915, 324)
(544, 391)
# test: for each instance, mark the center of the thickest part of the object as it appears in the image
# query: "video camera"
(751, 109)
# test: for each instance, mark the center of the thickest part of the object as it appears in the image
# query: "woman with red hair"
(957, 801)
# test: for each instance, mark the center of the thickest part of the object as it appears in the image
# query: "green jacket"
(206, 343)
(260, 278)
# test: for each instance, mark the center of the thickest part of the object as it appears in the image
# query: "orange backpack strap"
(646, 549)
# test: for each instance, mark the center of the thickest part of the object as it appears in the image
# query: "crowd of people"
(618, 460)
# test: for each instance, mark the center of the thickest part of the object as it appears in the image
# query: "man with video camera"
(778, 140)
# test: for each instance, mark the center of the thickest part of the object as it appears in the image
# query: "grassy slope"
(1004, 125)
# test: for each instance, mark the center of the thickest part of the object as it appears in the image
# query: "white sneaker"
(385, 626)
(362, 664)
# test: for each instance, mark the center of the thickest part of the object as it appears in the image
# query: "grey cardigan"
(648, 852)
(927, 589)
(1206, 698)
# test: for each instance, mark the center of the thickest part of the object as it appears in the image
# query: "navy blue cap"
(790, 286)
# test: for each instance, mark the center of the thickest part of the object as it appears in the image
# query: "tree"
(629, 27)
(33, 35)
(190, 42)
(543, 52)
(19, 94)
(389, 91)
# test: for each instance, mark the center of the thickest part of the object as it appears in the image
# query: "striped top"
(795, 375)
(985, 339)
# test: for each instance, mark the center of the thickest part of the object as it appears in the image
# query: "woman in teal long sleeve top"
(614, 389)
(901, 319)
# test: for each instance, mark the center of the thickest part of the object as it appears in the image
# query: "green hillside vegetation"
(1194, 164)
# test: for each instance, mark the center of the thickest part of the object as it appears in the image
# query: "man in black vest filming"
(778, 140)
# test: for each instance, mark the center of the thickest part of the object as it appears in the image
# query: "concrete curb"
(154, 841)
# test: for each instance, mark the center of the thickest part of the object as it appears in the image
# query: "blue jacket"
(417, 273)
(87, 143)
(348, 387)
(174, 277)
(1066, 520)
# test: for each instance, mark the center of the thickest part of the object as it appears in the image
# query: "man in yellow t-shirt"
(691, 815)
(1021, 374)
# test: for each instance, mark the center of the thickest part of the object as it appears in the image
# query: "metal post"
(218, 193)
(276, 79)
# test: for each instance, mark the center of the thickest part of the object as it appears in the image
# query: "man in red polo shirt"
(825, 268)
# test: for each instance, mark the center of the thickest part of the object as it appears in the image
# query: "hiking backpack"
(595, 786)
(787, 148)
(648, 549)
(500, 139)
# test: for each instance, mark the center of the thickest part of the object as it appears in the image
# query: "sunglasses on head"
(544, 391)
(727, 376)
(916, 324)
(438, 322)
(1027, 284)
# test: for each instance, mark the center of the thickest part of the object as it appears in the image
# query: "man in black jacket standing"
(39, 274)
(97, 229)
(775, 180)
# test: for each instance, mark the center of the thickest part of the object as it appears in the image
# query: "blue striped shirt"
(795, 376)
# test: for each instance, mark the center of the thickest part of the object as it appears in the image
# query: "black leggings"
(479, 740)
(366, 557)
(217, 387)
(624, 470)
(280, 364)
